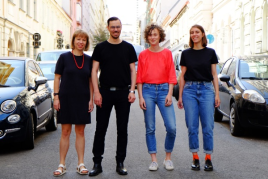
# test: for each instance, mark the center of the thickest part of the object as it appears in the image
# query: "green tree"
(100, 36)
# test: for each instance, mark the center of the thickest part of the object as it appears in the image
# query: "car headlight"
(253, 96)
(8, 106)
(13, 119)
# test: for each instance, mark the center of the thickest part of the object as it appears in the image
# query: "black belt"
(114, 88)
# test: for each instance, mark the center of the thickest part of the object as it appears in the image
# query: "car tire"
(53, 123)
(176, 92)
(217, 115)
(235, 127)
(29, 141)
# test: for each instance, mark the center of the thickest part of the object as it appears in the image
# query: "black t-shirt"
(114, 60)
(198, 63)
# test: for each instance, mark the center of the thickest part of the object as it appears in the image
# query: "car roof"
(47, 62)
(63, 50)
(15, 58)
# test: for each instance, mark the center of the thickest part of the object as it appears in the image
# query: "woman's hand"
(142, 104)
(90, 106)
(168, 100)
(56, 104)
(217, 101)
(180, 104)
(98, 99)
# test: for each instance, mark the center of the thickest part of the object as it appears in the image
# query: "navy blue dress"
(74, 93)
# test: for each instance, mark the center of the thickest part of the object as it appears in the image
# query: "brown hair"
(112, 19)
(204, 38)
(148, 31)
(80, 33)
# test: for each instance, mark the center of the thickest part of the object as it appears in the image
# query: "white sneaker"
(153, 166)
(168, 164)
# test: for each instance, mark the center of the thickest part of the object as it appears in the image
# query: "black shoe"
(120, 169)
(97, 169)
(196, 164)
(208, 165)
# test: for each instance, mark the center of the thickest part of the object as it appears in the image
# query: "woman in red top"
(155, 79)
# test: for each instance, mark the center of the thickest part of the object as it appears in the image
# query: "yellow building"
(20, 19)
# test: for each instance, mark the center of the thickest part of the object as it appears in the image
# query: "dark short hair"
(204, 38)
(112, 19)
(82, 34)
(148, 31)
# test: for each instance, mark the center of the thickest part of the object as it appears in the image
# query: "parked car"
(53, 55)
(138, 50)
(177, 66)
(26, 101)
(48, 69)
(243, 89)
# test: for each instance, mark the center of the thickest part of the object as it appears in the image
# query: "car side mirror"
(38, 81)
(226, 78)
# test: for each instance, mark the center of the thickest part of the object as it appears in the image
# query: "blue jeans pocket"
(187, 85)
(209, 86)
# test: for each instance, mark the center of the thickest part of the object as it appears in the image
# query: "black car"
(25, 101)
(243, 87)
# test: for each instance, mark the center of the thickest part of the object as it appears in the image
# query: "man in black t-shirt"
(116, 60)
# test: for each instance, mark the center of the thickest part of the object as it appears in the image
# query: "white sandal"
(80, 171)
(61, 172)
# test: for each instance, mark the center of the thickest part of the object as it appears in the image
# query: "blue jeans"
(198, 101)
(156, 95)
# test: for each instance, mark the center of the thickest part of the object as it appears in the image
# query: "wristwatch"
(56, 94)
(132, 92)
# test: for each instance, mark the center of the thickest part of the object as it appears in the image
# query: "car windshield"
(49, 56)
(254, 68)
(11, 73)
(138, 49)
(48, 70)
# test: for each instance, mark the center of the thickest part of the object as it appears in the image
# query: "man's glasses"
(115, 27)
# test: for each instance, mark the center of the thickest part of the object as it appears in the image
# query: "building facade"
(20, 19)
(235, 27)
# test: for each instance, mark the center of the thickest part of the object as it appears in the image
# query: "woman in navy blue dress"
(73, 95)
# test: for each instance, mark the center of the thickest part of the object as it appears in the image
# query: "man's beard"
(114, 37)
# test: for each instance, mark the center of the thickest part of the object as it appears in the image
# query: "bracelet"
(132, 92)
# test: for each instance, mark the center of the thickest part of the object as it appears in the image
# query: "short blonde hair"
(80, 33)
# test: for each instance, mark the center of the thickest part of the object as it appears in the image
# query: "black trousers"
(118, 99)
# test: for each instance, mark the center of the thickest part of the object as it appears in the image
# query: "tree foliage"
(100, 36)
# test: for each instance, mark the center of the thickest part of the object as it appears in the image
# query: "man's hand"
(131, 97)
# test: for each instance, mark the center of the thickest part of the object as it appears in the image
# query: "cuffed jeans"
(118, 99)
(198, 101)
(155, 95)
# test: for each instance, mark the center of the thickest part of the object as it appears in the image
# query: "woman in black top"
(197, 96)
(73, 98)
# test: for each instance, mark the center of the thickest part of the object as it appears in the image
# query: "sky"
(125, 10)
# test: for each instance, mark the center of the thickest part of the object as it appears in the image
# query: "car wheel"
(235, 126)
(53, 122)
(29, 141)
(217, 115)
(176, 92)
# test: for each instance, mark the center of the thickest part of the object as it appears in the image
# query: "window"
(32, 73)
(28, 7)
(226, 66)
(231, 71)
(27, 50)
(21, 4)
(35, 9)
